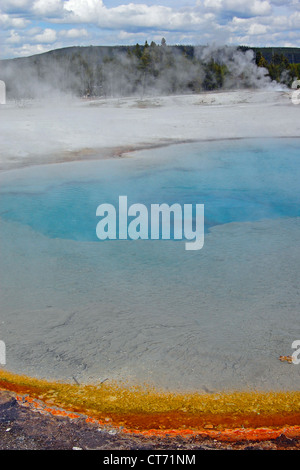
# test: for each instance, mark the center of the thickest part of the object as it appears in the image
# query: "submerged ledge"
(236, 415)
(88, 154)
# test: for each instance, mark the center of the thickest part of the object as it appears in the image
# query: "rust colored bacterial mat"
(143, 410)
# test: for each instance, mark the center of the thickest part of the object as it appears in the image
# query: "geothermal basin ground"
(146, 312)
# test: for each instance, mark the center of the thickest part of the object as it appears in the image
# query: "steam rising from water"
(115, 73)
(244, 73)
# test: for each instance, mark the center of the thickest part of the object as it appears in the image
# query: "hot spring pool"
(148, 311)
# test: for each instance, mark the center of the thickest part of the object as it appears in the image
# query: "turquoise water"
(150, 311)
(236, 181)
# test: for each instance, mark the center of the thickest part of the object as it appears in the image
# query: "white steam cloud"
(110, 72)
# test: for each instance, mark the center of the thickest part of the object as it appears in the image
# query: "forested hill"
(147, 69)
(292, 54)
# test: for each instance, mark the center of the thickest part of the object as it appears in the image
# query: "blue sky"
(29, 27)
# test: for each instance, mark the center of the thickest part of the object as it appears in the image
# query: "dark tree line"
(279, 68)
(151, 68)
(142, 70)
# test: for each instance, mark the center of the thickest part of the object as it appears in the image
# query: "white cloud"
(280, 3)
(249, 7)
(271, 30)
(12, 5)
(128, 35)
(296, 4)
(295, 20)
(73, 33)
(7, 21)
(31, 49)
(131, 15)
(267, 22)
(48, 36)
(14, 38)
(257, 29)
(25, 50)
(47, 7)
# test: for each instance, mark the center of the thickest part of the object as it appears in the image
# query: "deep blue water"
(237, 181)
(214, 319)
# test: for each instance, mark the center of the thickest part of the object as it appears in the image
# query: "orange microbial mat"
(227, 416)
